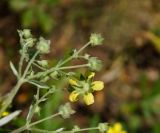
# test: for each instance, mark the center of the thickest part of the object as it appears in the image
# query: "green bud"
(95, 64)
(96, 39)
(27, 33)
(45, 79)
(103, 127)
(66, 111)
(29, 42)
(86, 56)
(43, 45)
(37, 110)
(26, 38)
(43, 63)
(54, 74)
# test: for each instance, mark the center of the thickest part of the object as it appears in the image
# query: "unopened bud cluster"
(66, 111)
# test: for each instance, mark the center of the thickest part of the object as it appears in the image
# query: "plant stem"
(34, 123)
(15, 89)
(11, 95)
(72, 67)
(42, 68)
(58, 66)
(21, 65)
(87, 129)
(81, 49)
(70, 58)
(80, 130)
(65, 61)
(29, 64)
(22, 59)
(34, 106)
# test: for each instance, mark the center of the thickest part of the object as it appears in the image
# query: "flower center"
(86, 87)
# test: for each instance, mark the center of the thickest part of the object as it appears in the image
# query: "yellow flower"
(5, 113)
(88, 98)
(97, 85)
(84, 88)
(116, 128)
(73, 97)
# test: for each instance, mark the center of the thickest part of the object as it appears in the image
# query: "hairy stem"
(72, 67)
(21, 65)
(59, 65)
(10, 96)
(80, 130)
(15, 89)
(34, 123)
(34, 106)
(29, 64)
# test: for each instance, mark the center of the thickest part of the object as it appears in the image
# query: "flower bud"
(96, 39)
(66, 110)
(29, 42)
(37, 110)
(54, 74)
(95, 64)
(43, 46)
(86, 56)
(27, 33)
(43, 63)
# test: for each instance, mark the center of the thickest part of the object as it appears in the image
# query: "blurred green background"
(131, 57)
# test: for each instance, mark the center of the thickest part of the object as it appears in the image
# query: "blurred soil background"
(130, 53)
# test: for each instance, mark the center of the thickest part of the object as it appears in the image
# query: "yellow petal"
(110, 130)
(72, 82)
(117, 127)
(91, 75)
(97, 85)
(5, 113)
(73, 97)
(88, 98)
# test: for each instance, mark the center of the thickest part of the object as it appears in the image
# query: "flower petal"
(5, 113)
(88, 98)
(110, 130)
(117, 127)
(97, 85)
(91, 75)
(73, 97)
(73, 82)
